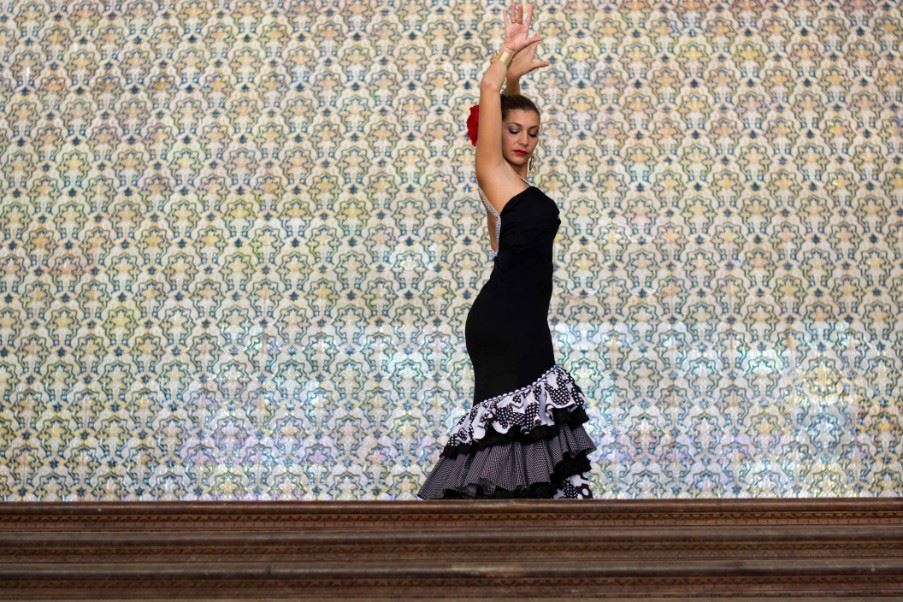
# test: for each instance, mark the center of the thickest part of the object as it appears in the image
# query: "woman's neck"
(520, 170)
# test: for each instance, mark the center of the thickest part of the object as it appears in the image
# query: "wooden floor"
(518, 550)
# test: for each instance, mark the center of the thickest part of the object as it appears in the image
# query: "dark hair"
(517, 101)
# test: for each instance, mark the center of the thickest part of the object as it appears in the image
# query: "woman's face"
(520, 134)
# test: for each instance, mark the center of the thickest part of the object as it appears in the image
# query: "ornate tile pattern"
(238, 242)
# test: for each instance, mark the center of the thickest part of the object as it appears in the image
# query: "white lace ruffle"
(525, 408)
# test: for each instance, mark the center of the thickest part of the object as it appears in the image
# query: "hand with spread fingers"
(525, 61)
(517, 27)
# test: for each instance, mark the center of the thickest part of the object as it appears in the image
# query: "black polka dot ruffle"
(533, 412)
(528, 442)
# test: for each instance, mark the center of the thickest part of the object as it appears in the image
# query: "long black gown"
(523, 436)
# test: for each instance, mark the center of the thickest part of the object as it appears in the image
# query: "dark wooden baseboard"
(430, 549)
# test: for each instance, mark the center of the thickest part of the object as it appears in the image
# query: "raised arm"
(489, 140)
(512, 86)
(494, 176)
(523, 63)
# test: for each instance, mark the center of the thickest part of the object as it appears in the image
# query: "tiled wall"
(238, 242)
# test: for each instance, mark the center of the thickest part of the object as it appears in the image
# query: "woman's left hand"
(525, 61)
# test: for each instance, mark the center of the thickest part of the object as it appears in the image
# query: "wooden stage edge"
(406, 550)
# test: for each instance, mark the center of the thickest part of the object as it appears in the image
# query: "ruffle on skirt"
(524, 443)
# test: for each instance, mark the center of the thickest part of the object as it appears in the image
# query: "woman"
(523, 437)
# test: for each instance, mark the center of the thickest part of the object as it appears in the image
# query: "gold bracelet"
(504, 55)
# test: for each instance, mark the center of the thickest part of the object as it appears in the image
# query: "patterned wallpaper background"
(239, 240)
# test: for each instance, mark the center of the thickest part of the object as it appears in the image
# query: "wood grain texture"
(458, 549)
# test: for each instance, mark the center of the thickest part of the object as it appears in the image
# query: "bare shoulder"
(500, 184)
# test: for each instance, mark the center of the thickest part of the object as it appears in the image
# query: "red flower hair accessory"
(473, 121)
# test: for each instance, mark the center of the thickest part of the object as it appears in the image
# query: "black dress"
(523, 436)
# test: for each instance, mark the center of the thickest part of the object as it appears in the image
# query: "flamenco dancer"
(523, 436)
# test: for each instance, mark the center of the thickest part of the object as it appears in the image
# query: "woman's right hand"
(517, 27)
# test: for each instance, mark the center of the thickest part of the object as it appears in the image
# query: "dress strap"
(498, 218)
(486, 202)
